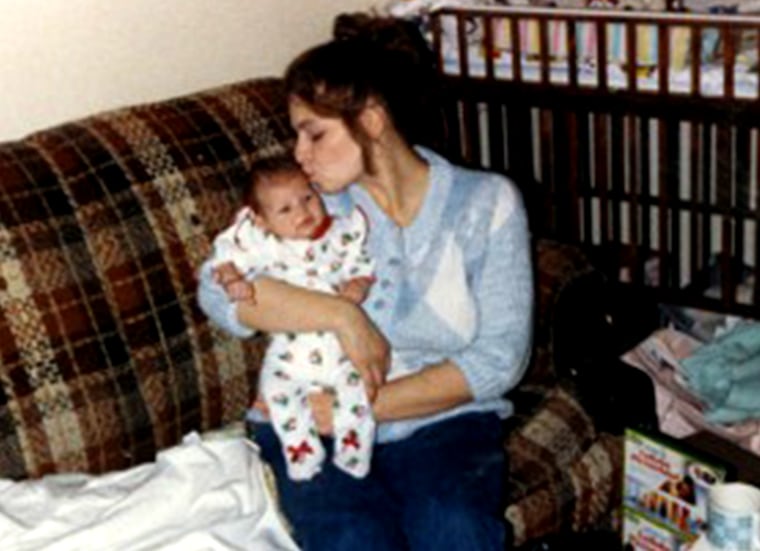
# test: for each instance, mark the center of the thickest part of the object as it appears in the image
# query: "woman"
(445, 331)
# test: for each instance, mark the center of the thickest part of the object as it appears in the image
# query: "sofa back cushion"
(104, 355)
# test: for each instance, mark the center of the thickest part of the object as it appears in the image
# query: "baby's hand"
(237, 288)
(356, 289)
(240, 291)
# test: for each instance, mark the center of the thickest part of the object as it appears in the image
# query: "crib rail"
(644, 49)
(658, 181)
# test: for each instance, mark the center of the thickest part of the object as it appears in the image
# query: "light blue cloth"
(457, 284)
(725, 373)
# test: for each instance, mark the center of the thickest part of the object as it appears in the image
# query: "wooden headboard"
(635, 135)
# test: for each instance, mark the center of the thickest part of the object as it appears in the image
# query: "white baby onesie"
(298, 363)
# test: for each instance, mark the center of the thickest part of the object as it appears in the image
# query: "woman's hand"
(367, 349)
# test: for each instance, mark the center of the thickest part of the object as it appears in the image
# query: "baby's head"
(283, 200)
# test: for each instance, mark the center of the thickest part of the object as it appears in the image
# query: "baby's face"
(289, 206)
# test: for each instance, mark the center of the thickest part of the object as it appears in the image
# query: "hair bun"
(390, 34)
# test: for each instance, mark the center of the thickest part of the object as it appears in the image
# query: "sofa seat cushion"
(105, 356)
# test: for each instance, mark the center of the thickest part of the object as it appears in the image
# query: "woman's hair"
(265, 168)
(379, 58)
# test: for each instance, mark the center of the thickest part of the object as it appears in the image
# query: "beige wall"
(62, 59)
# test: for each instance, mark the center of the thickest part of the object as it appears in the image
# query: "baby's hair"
(266, 167)
(370, 57)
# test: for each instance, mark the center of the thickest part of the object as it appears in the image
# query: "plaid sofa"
(105, 357)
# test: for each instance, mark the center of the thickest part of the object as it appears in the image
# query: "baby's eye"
(315, 137)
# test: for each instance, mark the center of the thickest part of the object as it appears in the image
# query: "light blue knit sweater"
(455, 284)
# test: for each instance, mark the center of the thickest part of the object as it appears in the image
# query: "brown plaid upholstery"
(105, 357)
(103, 222)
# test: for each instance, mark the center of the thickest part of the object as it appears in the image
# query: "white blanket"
(200, 495)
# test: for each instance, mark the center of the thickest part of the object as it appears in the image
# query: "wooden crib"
(633, 134)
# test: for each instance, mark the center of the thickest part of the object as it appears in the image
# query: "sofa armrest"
(105, 357)
(563, 475)
(564, 467)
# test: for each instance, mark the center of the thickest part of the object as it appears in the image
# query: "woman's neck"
(399, 184)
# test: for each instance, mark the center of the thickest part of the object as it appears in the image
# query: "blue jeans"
(440, 488)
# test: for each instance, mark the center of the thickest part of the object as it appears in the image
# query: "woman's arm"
(280, 307)
(436, 388)
(496, 359)
(283, 307)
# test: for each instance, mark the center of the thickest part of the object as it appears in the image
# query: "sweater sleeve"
(214, 302)
(231, 245)
(497, 358)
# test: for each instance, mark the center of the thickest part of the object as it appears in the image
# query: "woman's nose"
(300, 151)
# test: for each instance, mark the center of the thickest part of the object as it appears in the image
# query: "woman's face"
(325, 149)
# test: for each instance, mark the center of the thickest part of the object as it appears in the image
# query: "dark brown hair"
(380, 58)
(267, 167)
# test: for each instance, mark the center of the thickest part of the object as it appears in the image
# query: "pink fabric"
(679, 411)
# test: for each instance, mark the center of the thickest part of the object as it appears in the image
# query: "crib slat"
(617, 175)
(572, 53)
(741, 197)
(514, 35)
(489, 50)
(464, 58)
(547, 163)
(496, 137)
(584, 157)
(663, 59)
(601, 53)
(695, 63)
(601, 173)
(671, 129)
(543, 50)
(471, 132)
(757, 91)
(729, 59)
(663, 225)
(706, 158)
(453, 129)
(634, 139)
(630, 55)
(519, 140)
(435, 27)
(724, 152)
(695, 194)
(646, 211)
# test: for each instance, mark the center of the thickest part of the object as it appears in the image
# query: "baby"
(285, 233)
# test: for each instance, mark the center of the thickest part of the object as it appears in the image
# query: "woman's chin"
(327, 187)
